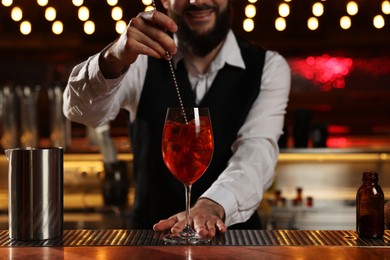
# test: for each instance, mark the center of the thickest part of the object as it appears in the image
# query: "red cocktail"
(187, 148)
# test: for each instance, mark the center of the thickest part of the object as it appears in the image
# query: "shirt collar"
(230, 54)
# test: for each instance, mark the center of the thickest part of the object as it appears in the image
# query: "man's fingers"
(178, 227)
(152, 33)
(205, 223)
(221, 226)
(160, 19)
(165, 224)
(206, 226)
(201, 227)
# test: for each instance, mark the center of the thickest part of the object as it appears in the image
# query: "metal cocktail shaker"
(35, 193)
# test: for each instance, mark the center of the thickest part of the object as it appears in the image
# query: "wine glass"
(187, 149)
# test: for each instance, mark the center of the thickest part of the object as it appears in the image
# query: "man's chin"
(201, 28)
(201, 34)
(201, 38)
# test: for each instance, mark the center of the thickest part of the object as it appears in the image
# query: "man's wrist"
(109, 65)
(216, 207)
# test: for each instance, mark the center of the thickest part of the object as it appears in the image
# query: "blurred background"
(337, 123)
(338, 51)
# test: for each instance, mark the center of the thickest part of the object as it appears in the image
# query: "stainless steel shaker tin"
(35, 193)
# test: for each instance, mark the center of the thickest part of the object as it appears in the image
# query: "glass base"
(187, 237)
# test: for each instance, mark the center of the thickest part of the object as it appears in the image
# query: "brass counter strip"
(121, 237)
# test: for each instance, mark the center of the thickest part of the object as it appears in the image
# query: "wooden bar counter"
(235, 244)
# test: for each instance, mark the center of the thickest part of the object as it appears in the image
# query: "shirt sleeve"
(92, 100)
(249, 173)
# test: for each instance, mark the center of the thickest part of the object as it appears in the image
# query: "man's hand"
(206, 218)
(145, 34)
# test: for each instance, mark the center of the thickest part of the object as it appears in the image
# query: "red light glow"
(337, 142)
(338, 129)
(374, 67)
(325, 71)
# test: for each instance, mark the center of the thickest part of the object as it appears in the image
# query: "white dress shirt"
(91, 99)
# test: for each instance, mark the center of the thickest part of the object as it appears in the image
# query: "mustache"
(200, 8)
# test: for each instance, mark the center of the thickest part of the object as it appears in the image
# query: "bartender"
(246, 89)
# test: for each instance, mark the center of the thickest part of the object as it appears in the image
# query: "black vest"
(229, 99)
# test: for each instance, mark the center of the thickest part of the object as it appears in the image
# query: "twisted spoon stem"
(174, 77)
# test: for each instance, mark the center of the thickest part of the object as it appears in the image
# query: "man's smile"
(200, 16)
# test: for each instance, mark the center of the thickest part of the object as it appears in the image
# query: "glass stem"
(188, 203)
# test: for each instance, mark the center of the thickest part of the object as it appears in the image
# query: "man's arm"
(249, 173)
(91, 95)
(237, 192)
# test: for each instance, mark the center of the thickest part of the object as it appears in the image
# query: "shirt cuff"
(96, 74)
(226, 199)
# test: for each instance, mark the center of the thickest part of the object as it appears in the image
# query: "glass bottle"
(370, 207)
(298, 199)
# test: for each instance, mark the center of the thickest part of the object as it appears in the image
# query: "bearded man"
(246, 89)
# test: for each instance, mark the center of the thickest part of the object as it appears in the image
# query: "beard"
(201, 44)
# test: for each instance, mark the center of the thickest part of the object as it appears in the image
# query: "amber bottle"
(298, 199)
(370, 207)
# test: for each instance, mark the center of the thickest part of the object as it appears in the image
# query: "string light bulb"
(112, 2)
(386, 7)
(379, 21)
(57, 27)
(312, 23)
(83, 13)
(6, 3)
(147, 2)
(248, 25)
(16, 14)
(149, 8)
(42, 2)
(50, 14)
(120, 26)
(89, 27)
(318, 9)
(280, 24)
(116, 13)
(250, 11)
(77, 2)
(284, 10)
(345, 22)
(352, 8)
(25, 27)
